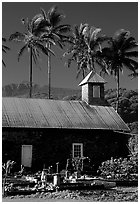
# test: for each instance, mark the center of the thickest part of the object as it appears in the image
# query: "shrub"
(120, 169)
(6, 167)
(123, 168)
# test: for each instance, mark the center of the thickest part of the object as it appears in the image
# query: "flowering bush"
(123, 168)
(120, 169)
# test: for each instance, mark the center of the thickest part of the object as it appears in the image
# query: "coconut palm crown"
(33, 44)
(85, 48)
(48, 26)
(120, 54)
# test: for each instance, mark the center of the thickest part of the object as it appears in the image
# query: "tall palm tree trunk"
(31, 73)
(118, 87)
(49, 72)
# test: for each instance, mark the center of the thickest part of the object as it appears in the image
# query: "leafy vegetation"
(119, 54)
(33, 44)
(85, 49)
(123, 168)
(48, 26)
(120, 169)
(128, 103)
(6, 167)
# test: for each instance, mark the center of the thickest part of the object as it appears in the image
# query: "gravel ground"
(118, 194)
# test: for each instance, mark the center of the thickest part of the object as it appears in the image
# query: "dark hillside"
(22, 90)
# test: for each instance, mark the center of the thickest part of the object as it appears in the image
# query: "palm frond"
(5, 48)
(44, 50)
(45, 38)
(76, 31)
(22, 51)
(60, 44)
(55, 36)
(131, 54)
(130, 43)
(36, 57)
(134, 63)
(54, 16)
(103, 65)
(3, 63)
(119, 38)
(51, 41)
(94, 32)
(29, 26)
(41, 26)
(79, 70)
(62, 28)
(68, 39)
(112, 67)
(133, 75)
(120, 35)
(130, 64)
(43, 14)
(103, 38)
(52, 11)
(83, 29)
(3, 39)
(69, 51)
(17, 36)
(84, 47)
(65, 37)
(69, 61)
(107, 53)
(36, 20)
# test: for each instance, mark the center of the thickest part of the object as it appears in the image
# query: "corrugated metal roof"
(92, 77)
(43, 113)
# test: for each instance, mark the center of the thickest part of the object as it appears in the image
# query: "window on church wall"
(96, 91)
(77, 150)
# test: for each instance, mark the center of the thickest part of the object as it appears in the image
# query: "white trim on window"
(77, 150)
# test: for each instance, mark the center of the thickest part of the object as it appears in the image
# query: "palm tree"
(47, 25)
(77, 49)
(85, 48)
(120, 54)
(4, 49)
(33, 44)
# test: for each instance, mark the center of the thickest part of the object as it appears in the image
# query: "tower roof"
(92, 77)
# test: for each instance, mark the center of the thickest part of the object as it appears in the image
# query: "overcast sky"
(110, 16)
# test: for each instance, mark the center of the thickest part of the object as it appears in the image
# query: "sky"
(109, 16)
